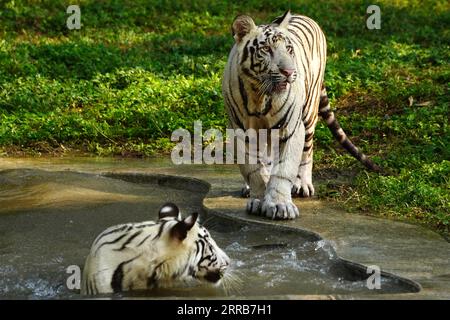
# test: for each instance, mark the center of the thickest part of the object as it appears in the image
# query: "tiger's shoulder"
(117, 232)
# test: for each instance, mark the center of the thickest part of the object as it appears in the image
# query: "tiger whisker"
(260, 88)
(232, 283)
(264, 87)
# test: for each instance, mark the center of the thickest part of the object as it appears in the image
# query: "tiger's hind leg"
(303, 185)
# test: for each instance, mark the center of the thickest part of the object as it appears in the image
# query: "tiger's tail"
(339, 134)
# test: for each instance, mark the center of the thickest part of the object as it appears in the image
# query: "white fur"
(270, 188)
(173, 254)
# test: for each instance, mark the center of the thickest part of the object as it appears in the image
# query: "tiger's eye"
(266, 48)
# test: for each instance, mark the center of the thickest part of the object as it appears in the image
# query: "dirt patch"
(41, 149)
(365, 104)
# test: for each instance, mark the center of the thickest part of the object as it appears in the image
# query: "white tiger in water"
(274, 79)
(146, 255)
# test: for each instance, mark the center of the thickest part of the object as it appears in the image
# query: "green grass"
(139, 69)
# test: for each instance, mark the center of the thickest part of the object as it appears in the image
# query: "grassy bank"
(137, 70)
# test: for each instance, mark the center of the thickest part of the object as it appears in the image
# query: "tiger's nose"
(286, 72)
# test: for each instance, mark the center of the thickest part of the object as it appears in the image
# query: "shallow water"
(48, 221)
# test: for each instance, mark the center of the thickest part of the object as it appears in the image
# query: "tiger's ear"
(283, 21)
(169, 209)
(180, 230)
(242, 25)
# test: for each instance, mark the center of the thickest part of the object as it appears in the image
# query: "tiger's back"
(311, 45)
(113, 250)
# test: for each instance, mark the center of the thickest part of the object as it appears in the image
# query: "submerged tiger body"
(140, 256)
(274, 79)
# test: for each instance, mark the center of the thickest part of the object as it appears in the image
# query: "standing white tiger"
(274, 80)
(138, 256)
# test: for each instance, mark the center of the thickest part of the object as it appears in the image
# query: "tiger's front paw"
(254, 206)
(282, 210)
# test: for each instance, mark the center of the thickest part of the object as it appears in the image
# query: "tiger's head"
(266, 54)
(200, 257)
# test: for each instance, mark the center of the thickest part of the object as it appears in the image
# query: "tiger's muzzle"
(287, 76)
(214, 276)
